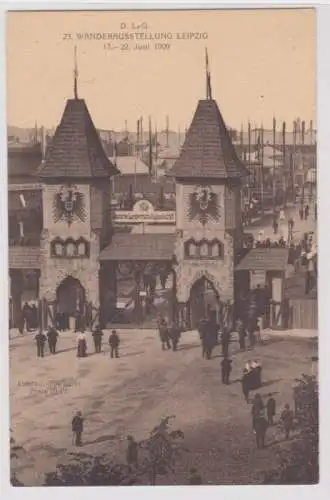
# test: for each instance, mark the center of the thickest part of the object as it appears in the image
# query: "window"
(70, 249)
(215, 250)
(81, 249)
(58, 247)
(192, 250)
(204, 250)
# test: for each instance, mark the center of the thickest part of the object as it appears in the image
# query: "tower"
(75, 177)
(208, 177)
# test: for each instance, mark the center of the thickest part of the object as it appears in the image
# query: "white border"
(323, 127)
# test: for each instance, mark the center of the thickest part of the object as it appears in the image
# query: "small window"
(215, 251)
(192, 250)
(81, 249)
(58, 247)
(70, 249)
(204, 250)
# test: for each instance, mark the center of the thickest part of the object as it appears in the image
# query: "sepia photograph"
(162, 247)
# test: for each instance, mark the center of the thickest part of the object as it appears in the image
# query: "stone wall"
(225, 227)
(55, 270)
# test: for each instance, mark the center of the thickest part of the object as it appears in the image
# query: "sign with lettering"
(144, 212)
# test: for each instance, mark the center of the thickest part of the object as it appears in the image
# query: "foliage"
(299, 465)
(86, 470)
(16, 451)
(160, 451)
(162, 447)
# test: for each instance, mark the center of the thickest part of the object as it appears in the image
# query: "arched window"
(81, 249)
(192, 250)
(70, 249)
(215, 251)
(58, 249)
(204, 250)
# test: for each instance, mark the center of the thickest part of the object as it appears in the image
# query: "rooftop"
(24, 257)
(207, 151)
(76, 149)
(264, 259)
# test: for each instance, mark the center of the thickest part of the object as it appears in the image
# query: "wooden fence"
(303, 314)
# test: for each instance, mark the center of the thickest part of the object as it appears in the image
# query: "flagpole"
(75, 74)
(262, 167)
(274, 163)
(150, 148)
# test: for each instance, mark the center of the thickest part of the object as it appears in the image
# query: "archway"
(204, 301)
(70, 297)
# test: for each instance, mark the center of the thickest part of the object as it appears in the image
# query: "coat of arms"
(69, 205)
(203, 205)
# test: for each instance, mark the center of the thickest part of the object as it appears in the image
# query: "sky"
(262, 62)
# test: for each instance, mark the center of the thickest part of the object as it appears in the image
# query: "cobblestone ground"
(129, 395)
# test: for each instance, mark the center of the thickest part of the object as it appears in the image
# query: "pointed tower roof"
(76, 150)
(207, 151)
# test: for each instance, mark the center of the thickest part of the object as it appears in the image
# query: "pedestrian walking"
(77, 426)
(194, 477)
(275, 224)
(114, 342)
(81, 345)
(97, 338)
(241, 333)
(260, 428)
(225, 340)
(132, 452)
(301, 213)
(163, 333)
(174, 334)
(306, 212)
(257, 409)
(225, 370)
(40, 339)
(52, 336)
(287, 420)
(271, 409)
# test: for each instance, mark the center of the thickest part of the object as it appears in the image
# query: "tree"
(300, 464)
(163, 447)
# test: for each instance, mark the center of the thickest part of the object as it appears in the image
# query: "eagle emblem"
(203, 205)
(69, 205)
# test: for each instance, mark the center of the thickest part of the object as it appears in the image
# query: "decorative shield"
(69, 205)
(203, 205)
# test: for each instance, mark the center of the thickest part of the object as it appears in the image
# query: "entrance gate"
(203, 300)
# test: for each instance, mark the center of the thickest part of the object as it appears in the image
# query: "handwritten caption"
(135, 37)
(48, 388)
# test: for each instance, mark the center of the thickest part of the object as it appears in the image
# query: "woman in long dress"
(81, 345)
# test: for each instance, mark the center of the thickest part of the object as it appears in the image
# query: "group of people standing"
(52, 337)
(169, 335)
(263, 417)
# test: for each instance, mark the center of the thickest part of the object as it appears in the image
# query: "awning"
(23, 257)
(264, 259)
(139, 247)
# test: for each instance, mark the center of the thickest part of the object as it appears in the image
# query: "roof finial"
(208, 77)
(75, 73)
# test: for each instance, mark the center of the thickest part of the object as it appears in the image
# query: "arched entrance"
(204, 301)
(70, 297)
